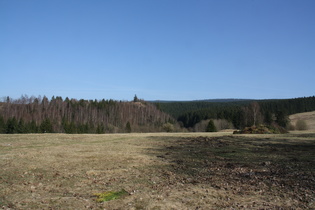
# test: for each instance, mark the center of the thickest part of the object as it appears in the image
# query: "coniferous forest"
(58, 115)
(241, 113)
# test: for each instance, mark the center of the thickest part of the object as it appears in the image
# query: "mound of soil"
(261, 129)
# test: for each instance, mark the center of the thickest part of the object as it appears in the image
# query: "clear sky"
(157, 49)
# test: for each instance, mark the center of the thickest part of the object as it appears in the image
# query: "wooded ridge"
(40, 115)
(241, 113)
(33, 115)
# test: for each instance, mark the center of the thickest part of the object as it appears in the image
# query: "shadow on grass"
(243, 164)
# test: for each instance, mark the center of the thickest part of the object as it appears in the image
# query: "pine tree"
(268, 118)
(46, 126)
(211, 127)
(12, 125)
(128, 127)
(282, 119)
(100, 129)
(135, 99)
(21, 127)
(2, 125)
(32, 127)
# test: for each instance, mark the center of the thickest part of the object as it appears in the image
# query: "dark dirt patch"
(279, 171)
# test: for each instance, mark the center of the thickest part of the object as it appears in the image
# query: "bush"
(291, 127)
(168, 127)
(300, 125)
(222, 124)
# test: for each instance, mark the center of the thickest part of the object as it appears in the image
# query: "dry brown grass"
(159, 171)
(308, 117)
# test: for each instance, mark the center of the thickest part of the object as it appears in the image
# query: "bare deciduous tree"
(255, 108)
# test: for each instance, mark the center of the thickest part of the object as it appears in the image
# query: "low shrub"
(300, 125)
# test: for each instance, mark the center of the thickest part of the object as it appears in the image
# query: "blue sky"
(157, 49)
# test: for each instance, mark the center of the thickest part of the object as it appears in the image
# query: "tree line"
(179, 108)
(40, 115)
(240, 113)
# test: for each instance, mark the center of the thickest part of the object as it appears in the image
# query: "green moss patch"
(110, 195)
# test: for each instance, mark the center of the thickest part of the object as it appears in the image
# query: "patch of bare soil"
(158, 171)
(253, 173)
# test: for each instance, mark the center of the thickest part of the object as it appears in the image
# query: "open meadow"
(307, 117)
(158, 171)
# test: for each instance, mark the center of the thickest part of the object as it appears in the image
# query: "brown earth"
(159, 171)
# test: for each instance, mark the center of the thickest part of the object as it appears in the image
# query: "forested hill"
(35, 115)
(204, 100)
(178, 108)
(240, 113)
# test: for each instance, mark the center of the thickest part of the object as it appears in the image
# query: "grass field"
(307, 117)
(158, 171)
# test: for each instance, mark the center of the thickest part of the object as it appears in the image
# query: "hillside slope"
(40, 115)
(308, 117)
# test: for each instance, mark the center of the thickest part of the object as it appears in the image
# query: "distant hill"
(224, 100)
(178, 108)
(237, 111)
(32, 115)
(220, 100)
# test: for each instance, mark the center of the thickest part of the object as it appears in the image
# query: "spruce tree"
(135, 99)
(100, 129)
(128, 127)
(2, 125)
(282, 118)
(12, 125)
(32, 127)
(211, 127)
(46, 126)
(21, 127)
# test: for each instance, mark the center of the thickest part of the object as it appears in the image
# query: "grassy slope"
(308, 117)
(159, 171)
